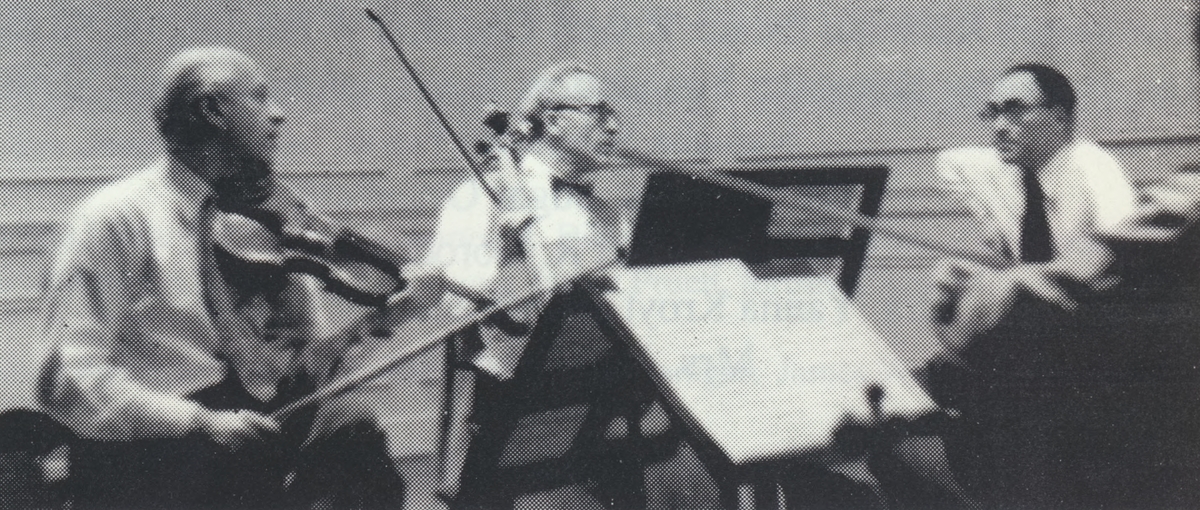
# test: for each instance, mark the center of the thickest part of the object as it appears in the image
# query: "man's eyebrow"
(1008, 102)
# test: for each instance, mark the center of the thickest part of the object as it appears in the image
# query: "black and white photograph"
(599, 254)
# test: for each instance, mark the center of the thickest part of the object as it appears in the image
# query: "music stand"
(685, 220)
(763, 368)
(603, 376)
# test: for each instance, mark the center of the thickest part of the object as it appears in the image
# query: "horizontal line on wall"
(28, 302)
(101, 172)
(416, 225)
(842, 154)
(1113, 141)
(19, 305)
(84, 172)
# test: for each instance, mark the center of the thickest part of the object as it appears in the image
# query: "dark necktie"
(1036, 245)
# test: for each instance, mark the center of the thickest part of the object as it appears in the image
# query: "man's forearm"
(103, 403)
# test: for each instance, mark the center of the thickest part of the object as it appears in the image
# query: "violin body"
(257, 246)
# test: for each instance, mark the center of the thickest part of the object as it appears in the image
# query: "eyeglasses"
(602, 111)
(1013, 110)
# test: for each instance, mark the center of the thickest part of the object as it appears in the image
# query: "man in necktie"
(1039, 195)
(565, 125)
(564, 128)
(162, 364)
(1010, 344)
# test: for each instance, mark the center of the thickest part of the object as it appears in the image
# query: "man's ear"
(210, 110)
(550, 122)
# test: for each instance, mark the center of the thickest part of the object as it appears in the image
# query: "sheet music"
(767, 368)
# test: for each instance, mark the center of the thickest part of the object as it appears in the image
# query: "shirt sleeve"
(459, 244)
(88, 297)
(955, 168)
(1113, 195)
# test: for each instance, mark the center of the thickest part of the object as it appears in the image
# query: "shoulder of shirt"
(122, 201)
(967, 163)
(1084, 150)
(470, 193)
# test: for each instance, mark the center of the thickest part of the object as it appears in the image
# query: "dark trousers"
(1093, 409)
(347, 468)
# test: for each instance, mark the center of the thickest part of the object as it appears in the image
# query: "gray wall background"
(763, 84)
(694, 78)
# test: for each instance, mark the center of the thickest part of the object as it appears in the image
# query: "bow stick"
(412, 73)
(435, 331)
(438, 332)
(715, 177)
(385, 318)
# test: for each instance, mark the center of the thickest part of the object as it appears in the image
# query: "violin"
(518, 282)
(258, 245)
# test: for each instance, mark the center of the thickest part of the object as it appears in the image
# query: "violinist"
(163, 365)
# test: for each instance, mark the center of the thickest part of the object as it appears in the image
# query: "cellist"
(562, 129)
(564, 126)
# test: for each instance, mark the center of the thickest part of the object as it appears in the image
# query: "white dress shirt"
(1086, 190)
(461, 246)
(127, 317)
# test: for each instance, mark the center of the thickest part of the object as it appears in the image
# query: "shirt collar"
(537, 173)
(1062, 170)
(1056, 165)
(1061, 160)
(186, 192)
(544, 176)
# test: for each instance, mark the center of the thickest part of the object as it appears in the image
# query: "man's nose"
(275, 113)
(610, 126)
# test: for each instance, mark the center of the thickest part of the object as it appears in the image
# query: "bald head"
(190, 79)
(217, 118)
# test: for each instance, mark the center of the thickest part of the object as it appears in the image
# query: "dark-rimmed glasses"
(1013, 110)
(602, 111)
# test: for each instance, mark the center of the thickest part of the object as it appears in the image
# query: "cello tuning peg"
(497, 120)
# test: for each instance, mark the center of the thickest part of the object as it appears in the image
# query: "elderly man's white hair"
(188, 78)
(545, 94)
